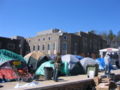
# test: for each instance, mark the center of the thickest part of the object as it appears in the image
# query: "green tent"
(6, 55)
(40, 70)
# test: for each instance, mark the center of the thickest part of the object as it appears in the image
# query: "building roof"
(49, 31)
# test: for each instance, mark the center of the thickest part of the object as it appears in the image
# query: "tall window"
(64, 46)
(39, 39)
(48, 46)
(38, 47)
(33, 47)
(43, 47)
(75, 47)
(43, 39)
(48, 38)
(54, 46)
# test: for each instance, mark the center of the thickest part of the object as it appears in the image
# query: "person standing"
(107, 63)
(57, 66)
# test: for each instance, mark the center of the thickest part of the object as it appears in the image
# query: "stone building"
(91, 43)
(23, 45)
(49, 42)
(53, 41)
(16, 44)
(10, 44)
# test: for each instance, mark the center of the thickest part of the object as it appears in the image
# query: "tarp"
(101, 63)
(35, 59)
(64, 68)
(6, 55)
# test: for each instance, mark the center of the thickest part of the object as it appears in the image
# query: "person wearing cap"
(107, 63)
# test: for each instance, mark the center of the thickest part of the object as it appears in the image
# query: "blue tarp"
(101, 63)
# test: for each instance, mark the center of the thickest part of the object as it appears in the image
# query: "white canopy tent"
(108, 50)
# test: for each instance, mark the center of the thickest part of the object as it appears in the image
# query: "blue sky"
(27, 17)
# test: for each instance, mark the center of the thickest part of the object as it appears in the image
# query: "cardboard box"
(103, 86)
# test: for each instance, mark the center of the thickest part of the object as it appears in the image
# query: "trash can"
(92, 70)
(48, 73)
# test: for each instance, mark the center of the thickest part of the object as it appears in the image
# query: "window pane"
(53, 46)
(38, 39)
(48, 38)
(43, 39)
(65, 37)
(64, 46)
(48, 46)
(33, 47)
(38, 47)
(43, 47)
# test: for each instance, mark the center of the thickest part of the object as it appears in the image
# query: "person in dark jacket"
(57, 66)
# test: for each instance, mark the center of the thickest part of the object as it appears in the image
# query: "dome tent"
(14, 70)
(6, 55)
(86, 62)
(35, 59)
(70, 59)
(64, 68)
(10, 62)
(74, 66)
